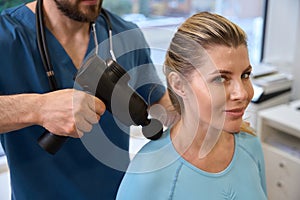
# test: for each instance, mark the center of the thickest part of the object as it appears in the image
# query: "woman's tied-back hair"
(187, 49)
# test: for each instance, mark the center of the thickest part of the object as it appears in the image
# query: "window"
(249, 15)
(165, 13)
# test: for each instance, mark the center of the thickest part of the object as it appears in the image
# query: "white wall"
(296, 63)
(281, 31)
(282, 39)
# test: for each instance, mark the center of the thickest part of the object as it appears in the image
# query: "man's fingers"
(97, 106)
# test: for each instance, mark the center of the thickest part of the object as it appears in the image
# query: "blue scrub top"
(87, 168)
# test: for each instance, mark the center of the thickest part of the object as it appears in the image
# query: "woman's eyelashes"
(223, 78)
(246, 75)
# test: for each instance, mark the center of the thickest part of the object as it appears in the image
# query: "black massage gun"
(109, 82)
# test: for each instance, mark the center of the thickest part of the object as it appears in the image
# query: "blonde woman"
(210, 153)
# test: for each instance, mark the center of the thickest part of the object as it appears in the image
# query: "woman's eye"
(246, 75)
(219, 79)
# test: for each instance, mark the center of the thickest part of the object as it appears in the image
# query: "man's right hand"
(69, 112)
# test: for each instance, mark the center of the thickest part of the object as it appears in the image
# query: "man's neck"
(72, 35)
(61, 26)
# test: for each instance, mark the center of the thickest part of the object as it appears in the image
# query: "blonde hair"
(203, 30)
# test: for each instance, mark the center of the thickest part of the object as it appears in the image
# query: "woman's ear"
(177, 84)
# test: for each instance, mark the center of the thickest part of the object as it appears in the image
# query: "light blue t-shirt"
(158, 173)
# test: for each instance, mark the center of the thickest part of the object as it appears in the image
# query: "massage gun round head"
(153, 130)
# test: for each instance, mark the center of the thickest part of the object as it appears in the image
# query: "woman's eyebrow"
(220, 71)
(223, 71)
(248, 68)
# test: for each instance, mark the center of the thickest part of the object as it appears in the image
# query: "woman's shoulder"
(248, 139)
(154, 155)
(249, 143)
(153, 145)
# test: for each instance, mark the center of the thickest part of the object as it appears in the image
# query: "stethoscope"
(42, 46)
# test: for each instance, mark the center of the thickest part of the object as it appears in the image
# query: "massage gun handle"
(51, 142)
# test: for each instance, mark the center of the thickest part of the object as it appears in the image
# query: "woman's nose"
(239, 91)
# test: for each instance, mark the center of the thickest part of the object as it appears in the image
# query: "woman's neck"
(188, 139)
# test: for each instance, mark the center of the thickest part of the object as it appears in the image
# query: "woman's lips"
(238, 112)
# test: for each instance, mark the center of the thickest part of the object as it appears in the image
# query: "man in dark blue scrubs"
(90, 168)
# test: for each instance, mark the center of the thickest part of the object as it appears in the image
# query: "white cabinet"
(279, 130)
